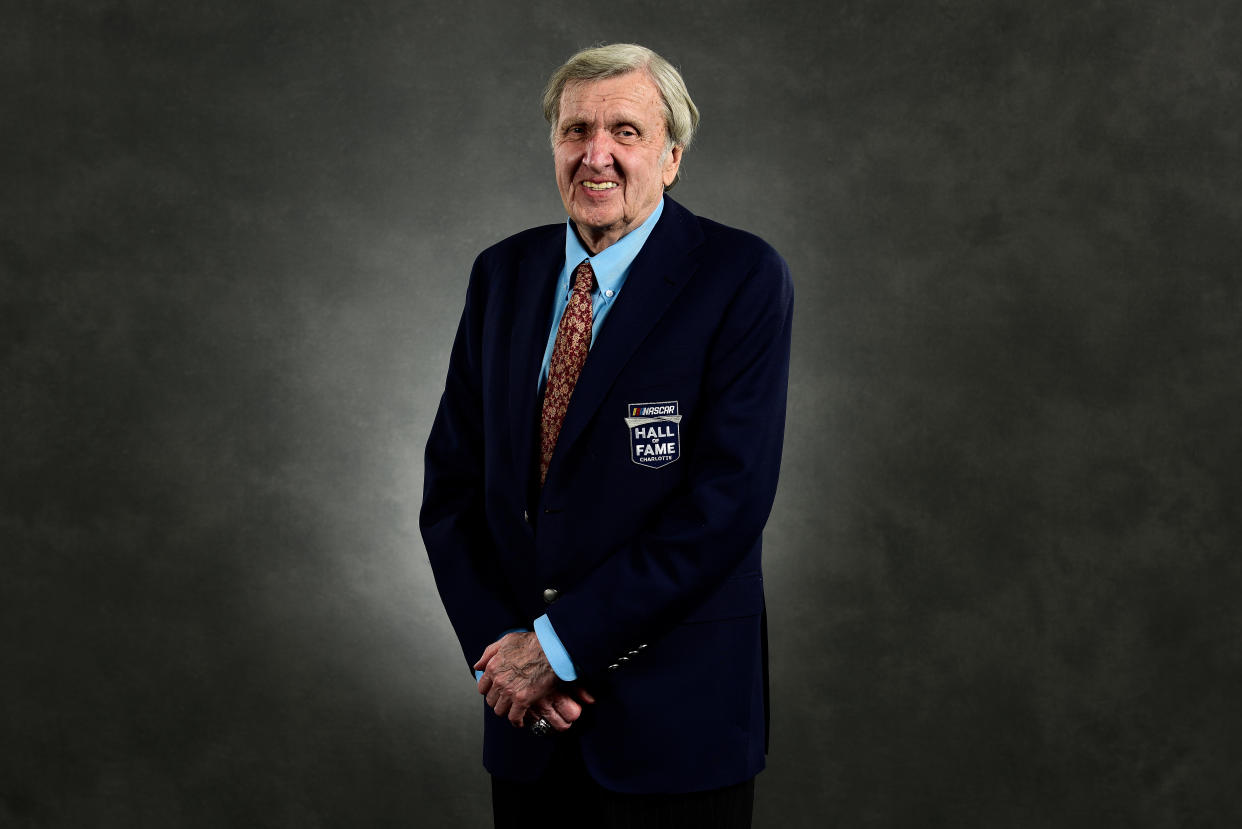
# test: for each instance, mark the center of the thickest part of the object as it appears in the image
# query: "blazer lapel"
(537, 274)
(658, 274)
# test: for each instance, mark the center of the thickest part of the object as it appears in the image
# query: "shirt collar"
(612, 264)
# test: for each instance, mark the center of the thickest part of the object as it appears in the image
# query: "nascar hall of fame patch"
(654, 439)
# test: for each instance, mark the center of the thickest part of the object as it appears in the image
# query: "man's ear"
(671, 165)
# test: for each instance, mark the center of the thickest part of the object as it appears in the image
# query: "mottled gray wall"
(1003, 566)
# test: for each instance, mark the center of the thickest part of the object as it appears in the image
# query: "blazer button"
(526, 516)
(550, 595)
(632, 653)
(623, 660)
(612, 669)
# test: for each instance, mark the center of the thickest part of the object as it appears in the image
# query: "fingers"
(507, 704)
(488, 653)
(563, 704)
(553, 716)
(512, 690)
(565, 708)
(559, 709)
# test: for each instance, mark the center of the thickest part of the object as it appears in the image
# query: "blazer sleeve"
(688, 550)
(453, 518)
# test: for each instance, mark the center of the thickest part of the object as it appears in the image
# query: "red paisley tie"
(573, 340)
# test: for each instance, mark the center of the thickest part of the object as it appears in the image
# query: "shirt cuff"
(558, 657)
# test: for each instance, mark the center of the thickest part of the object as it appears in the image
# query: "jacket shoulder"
(742, 259)
(536, 240)
(735, 243)
(721, 243)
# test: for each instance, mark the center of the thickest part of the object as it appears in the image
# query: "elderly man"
(603, 461)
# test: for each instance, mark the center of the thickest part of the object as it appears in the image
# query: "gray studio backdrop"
(1003, 567)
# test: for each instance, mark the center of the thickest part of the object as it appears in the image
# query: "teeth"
(607, 185)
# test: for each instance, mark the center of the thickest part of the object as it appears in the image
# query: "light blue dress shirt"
(612, 267)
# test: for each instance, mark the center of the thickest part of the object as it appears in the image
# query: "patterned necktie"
(573, 340)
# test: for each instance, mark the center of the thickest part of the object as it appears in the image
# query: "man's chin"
(597, 221)
(594, 227)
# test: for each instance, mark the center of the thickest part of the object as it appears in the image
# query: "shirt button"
(609, 293)
(550, 595)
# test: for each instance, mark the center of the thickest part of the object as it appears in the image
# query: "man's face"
(611, 164)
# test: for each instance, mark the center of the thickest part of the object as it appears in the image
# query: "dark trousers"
(567, 796)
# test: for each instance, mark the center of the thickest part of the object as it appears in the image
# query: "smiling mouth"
(603, 185)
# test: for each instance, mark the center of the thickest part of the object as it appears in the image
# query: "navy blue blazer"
(647, 530)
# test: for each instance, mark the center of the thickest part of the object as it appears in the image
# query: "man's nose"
(598, 150)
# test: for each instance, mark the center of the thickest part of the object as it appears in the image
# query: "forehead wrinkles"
(600, 100)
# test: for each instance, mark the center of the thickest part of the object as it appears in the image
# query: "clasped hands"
(517, 678)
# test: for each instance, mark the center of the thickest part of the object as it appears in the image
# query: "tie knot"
(584, 277)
